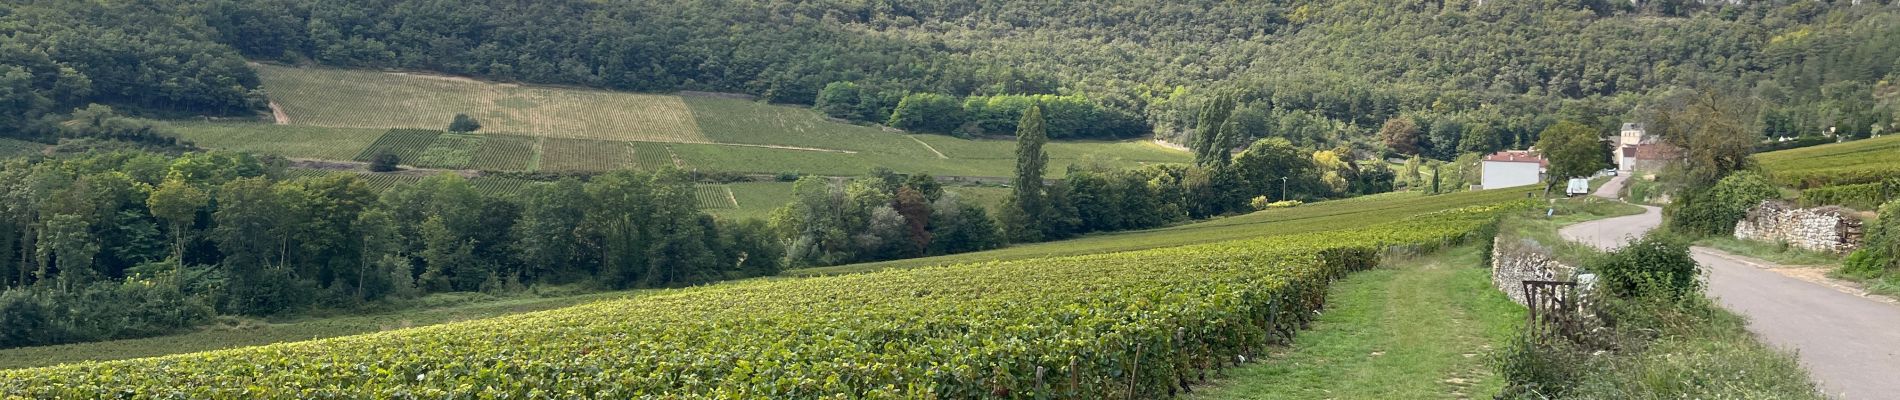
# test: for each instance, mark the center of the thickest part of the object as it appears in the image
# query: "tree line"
(885, 216)
(1473, 75)
(121, 244)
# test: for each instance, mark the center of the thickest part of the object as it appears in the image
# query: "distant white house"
(1511, 168)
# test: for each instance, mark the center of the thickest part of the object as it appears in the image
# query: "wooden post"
(1072, 378)
(1180, 346)
(1041, 390)
(1135, 374)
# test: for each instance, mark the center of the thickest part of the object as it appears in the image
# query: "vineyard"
(1860, 161)
(1311, 218)
(1849, 174)
(653, 156)
(405, 144)
(584, 155)
(715, 197)
(486, 185)
(1136, 324)
(374, 99)
(283, 140)
(339, 114)
(507, 153)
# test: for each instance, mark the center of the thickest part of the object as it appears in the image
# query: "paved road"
(1615, 184)
(1850, 344)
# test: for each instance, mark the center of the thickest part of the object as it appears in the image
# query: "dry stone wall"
(1514, 261)
(1829, 229)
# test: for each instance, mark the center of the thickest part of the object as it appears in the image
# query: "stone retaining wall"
(1828, 229)
(1514, 261)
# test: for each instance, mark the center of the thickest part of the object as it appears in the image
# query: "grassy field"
(1417, 328)
(1308, 218)
(257, 333)
(372, 99)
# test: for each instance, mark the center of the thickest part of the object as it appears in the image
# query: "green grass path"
(1418, 328)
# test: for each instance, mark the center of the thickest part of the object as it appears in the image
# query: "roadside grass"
(1659, 349)
(1314, 217)
(244, 333)
(1419, 327)
(1779, 253)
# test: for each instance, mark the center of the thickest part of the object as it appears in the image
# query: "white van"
(1578, 186)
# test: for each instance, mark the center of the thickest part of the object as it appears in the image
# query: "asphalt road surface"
(1849, 344)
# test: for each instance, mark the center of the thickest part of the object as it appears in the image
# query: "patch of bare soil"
(717, 95)
(277, 113)
(363, 168)
(446, 78)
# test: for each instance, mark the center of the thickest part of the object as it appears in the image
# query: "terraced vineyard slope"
(1850, 173)
(336, 114)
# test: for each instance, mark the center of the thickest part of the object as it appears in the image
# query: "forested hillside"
(1474, 75)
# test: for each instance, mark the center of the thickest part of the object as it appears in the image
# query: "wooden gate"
(1553, 307)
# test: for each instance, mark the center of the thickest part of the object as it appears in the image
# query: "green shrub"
(1538, 367)
(44, 315)
(464, 123)
(1713, 211)
(1656, 264)
(384, 162)
(1880, 251)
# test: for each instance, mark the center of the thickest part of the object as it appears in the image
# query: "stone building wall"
(1514, 261)
(1828, 229)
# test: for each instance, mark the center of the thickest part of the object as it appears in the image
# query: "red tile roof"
(1523, 156)
(1655, 151)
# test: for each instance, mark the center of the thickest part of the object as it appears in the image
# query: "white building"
(1512, 168)
(1633, 134)
(1640, 151)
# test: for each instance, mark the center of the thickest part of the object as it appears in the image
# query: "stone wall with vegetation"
(1515, 260)
(1829, 229)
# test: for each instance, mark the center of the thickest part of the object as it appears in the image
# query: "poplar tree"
(1027, 197)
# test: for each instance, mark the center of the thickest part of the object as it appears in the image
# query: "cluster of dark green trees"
(1474, 76)
(879, 217)
(119, 244)
(1067, 117)
(888, 216)
(1095, 199)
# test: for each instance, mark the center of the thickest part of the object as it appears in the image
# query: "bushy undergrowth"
(1649, 334)
(1879, 255)
(1714, 210)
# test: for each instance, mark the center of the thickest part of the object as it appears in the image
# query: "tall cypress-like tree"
(1027, 196)
(1209, 148)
